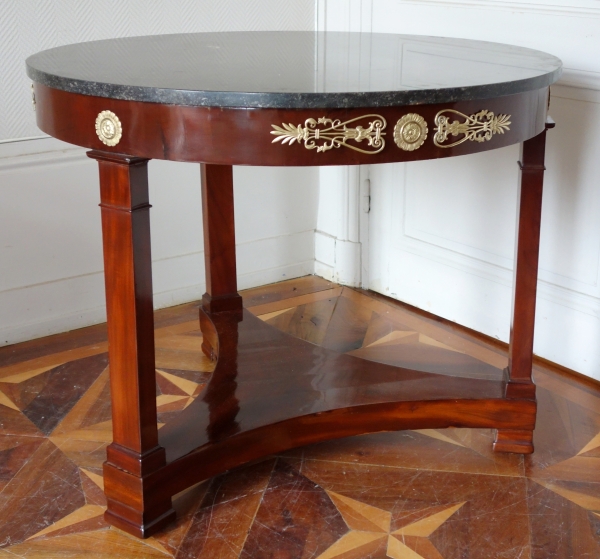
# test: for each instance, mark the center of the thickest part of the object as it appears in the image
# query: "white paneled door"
(441, 233)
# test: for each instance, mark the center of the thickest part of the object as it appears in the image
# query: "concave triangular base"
(271, 392)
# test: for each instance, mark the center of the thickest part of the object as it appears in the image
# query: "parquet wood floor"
(430, 494)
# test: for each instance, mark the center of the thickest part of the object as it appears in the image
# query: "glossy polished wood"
(134, 452)
(55, 426)
(239, 136)
(527, 248)
(270, 392)
(219, 239)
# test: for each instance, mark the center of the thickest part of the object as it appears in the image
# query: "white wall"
(50, 250)
(445, 229)
(341, 243)
(50, 254)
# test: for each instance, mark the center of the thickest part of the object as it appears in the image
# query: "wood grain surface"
(416, 493)
(239, 136)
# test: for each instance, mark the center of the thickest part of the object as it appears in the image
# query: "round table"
(282, 98)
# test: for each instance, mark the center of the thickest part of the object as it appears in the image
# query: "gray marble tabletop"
(286, 69)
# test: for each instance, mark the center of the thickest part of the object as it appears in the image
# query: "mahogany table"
(282, 98)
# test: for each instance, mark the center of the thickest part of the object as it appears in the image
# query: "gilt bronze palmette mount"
(479, 127)
(333, 133)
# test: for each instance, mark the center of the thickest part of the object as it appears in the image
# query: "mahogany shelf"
(283, 98)
(271, 392)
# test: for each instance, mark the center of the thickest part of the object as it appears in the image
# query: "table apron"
(282, 137)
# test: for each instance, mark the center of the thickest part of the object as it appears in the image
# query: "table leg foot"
(140, 530)
(520, 390)
(132, 506)
(517, 441)
(210, 339)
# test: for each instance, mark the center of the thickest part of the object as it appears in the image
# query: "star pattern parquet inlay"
(423, 494)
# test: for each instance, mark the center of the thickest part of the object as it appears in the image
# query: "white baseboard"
(51, 276)
(337, 260)
(39, 310)
(324, 271)
(39, 307)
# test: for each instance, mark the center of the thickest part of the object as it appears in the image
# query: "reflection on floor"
(431, 494)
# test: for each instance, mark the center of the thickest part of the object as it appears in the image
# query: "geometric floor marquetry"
(422, 494)
(371, 530)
